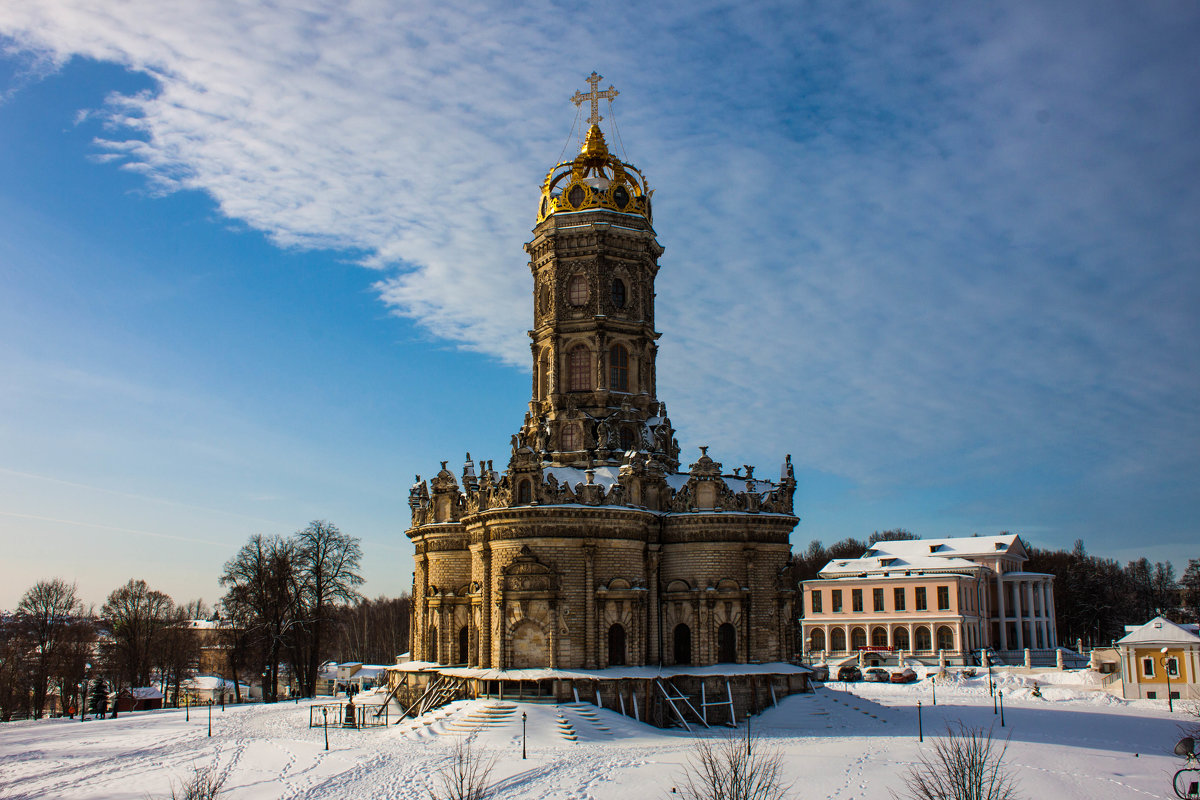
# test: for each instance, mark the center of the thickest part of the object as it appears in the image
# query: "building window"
(579, 369)
(856, 599)
(924, 640)
(945, 638)
(922, 603)
(626, 439)
(818, 640)
(1151, 695)
(858, 639)
(898, 599)
(901, 638)
(570, 437)
(835, 600)
(1148, 667)
(1172, 667)
(943, 598)
(877, 599)
(618, 369)
(879, 637)
(726, 643)
(618, 293)
(815, 602)
(577, 290)
(524, 493)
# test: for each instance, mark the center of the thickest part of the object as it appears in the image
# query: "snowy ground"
(844, 741)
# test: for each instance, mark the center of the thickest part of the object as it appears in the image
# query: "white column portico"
(1018, 615)
(1001, 604)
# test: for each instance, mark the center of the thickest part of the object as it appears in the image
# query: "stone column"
(655, 610)
(589, 605)
(553, 637)
(486, 656)
(501, 656)
(1018, 614)
(421, 615)
(1001, 610)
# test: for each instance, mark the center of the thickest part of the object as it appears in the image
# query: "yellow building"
(1157, 653)
(939, 598)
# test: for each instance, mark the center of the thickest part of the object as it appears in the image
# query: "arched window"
(618, 293)
(616, 646)
(463, 641)
(878, 637)
(543, 376)
(945, 638)
(901, 638)
(618, 369)
(726, 643)
(837, 640)
(626, 439)
(570, 439)
(524, 493)
(683, 644)
(579, 369)
(818, 640)
(577, 290)
(924, 640)
(858, 639)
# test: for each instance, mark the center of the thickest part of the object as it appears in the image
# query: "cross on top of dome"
(595, 96)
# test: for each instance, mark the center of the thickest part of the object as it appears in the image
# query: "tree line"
(1094, 597)
(290, 604)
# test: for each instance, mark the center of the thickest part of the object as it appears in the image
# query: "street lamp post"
(1166, 665)
(187, 708)
(1001, 693)
(210, 705)
(325, 717)
(523, 718)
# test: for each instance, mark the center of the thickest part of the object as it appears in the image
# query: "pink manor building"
(931, 597)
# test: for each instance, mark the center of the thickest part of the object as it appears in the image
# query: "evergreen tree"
(98, 698)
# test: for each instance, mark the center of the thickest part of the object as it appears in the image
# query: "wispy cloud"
(918, 241)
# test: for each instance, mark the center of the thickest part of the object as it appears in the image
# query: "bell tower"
(594, 258)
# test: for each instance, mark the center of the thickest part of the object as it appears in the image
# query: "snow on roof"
(413, 666)
(1161, 630)
(146, 693)
(931, 554)
(208, 682)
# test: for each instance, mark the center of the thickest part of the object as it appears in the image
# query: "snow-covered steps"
(565, 728)
(492, 715)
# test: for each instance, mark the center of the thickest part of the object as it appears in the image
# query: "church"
(598, 545)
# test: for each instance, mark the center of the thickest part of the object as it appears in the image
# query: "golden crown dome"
(594, 179)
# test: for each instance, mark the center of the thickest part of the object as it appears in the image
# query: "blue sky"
(260, 265)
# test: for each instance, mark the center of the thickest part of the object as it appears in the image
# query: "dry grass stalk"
(732, 768)
(205, 784)
(965, 765)
(466, 776)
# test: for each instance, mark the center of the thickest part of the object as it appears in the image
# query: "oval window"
(618, 293)
(620, 197)
(577, 290)
(575, 196)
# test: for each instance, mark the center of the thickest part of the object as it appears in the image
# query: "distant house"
(1146, 668)
(139, 698)
(936, 598)
(214, 688)
(359, 675)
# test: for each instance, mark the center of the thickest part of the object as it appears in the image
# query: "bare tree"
(138, 617)
(263, 597)
(965, 765)
(47, 611)
(328, 570)
(733, 768)
(467, 775)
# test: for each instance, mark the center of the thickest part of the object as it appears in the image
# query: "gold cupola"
(595, 178)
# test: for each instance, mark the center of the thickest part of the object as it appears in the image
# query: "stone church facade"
(593, 547)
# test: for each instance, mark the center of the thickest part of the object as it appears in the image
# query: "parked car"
(849, 672)
(906, 675)
(877, 675)
(820, 672)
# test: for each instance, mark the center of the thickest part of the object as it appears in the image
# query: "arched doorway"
(431, 637)
(901, 638)
(924, 640)
(817, 636)
(463, 640)
(837, 640)
(727, 643)
(616, 645)
(683, 644)
(528, 646)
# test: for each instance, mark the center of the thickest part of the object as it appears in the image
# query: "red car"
(905, 675)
